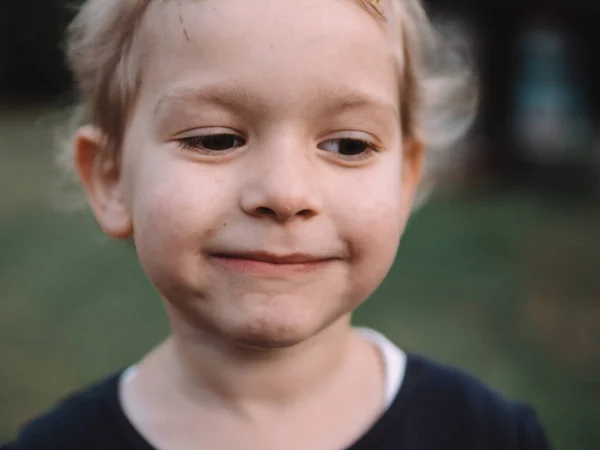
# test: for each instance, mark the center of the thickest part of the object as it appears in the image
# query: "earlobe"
(100, 176)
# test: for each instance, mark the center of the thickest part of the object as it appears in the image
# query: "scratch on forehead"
(386, 13)
(383, 11)
(373, 7)
(185, 32)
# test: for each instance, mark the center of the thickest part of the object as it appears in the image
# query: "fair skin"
(265, 236)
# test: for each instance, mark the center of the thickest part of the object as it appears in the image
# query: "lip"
(273, 258)
(271, 264)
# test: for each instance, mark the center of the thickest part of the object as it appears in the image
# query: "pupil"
(351, 147)
(219, 142)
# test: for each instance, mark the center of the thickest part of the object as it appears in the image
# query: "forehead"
(285, 45)
(380, 11)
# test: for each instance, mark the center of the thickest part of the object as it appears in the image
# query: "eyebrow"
(341, 100)
(331, 100)
(232, 97)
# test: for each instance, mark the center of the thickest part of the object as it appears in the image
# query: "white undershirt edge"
(394, 360)
(393, 357)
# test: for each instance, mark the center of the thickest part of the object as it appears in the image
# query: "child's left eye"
(348, 147)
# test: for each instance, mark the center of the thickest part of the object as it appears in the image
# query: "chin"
(265, 341)
(274, 329)
(270, 334)
(262, 322)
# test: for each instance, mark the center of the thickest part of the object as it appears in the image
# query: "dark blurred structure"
(540, 104)
(32, 66)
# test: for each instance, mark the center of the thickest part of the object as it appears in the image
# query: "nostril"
(306, 213)
(264, 211)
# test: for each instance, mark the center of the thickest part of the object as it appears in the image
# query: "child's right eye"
(212, 143)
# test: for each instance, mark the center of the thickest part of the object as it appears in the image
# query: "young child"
(264, 157)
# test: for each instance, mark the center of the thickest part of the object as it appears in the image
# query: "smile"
(270, 264)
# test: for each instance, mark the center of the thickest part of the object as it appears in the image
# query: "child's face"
(292, 89)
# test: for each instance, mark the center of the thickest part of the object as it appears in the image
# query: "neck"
(202, 367)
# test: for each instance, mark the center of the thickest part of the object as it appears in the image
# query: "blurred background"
(499, 273)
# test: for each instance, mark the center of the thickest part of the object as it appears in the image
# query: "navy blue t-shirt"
(437, 408)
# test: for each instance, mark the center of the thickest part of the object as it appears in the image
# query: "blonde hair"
(107, 58)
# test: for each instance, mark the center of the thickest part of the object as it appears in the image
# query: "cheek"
(372, 222)
(376, 229)
(376, 201)
(174, 211)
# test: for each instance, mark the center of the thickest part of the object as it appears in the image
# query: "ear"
(100, 176)
(412, 171)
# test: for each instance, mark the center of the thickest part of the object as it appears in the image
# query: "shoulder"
(82, 420)
(463, 409)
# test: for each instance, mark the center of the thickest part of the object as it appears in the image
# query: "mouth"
(271, 264)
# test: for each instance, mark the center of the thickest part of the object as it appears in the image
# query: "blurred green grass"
(506, 287)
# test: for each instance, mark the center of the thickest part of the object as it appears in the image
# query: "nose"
(281, 185)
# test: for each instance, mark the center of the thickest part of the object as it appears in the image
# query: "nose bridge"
(285, 165)
(281, 180)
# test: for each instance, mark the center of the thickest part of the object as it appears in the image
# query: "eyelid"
(185, 141)
(372, 147)
(206, 131)
(352, 134)
(373, 143)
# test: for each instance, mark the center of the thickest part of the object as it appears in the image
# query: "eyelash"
(370, 148)
(195, 144)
